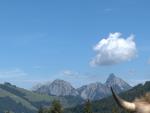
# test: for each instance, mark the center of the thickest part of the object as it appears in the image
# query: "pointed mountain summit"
(59, 88)
(117, 83)
(62, 88)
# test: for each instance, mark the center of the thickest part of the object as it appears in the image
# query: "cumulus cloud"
(114, 49)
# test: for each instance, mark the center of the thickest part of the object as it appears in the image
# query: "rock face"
(117, 83)
(58, 88)
(98, 90)
(94, 91)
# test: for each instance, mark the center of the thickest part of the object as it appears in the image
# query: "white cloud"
(114, 49)
(69, 73)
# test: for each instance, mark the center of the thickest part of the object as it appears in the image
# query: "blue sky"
(44, 40)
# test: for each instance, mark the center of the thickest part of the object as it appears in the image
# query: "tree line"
(56, 107)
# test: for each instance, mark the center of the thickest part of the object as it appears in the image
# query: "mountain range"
(91, 91)
(20, 100)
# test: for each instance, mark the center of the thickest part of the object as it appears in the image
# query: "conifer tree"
(41, 110)
(56, 107)
(88, 107)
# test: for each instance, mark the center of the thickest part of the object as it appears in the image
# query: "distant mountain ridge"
(91, 91)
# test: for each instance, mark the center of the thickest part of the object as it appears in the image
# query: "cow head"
(137, 106)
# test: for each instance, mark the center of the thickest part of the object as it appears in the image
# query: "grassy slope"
(9, 97)
(30, 100)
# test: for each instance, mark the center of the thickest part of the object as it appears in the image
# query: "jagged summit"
(111, 76)
(59, 81)
(59, 88)
(93, 91)
(117, 83)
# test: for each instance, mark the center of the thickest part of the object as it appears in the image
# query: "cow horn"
(122, 103)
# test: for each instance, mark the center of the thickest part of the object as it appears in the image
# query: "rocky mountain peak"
(111, 76)
(60, 82)
(59, 88)
(117, 83)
